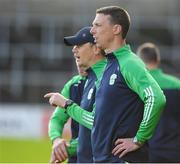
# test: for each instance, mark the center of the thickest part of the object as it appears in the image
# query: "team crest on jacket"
(90, 93)
(112, 79)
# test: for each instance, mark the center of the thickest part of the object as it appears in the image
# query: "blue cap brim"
(72, 40)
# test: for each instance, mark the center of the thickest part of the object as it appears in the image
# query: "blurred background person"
(165, 143)
(61, 149)
(150, 54)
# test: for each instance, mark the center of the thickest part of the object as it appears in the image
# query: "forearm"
(80, 115)
(56, 123)
(150, 93)
(154, 104)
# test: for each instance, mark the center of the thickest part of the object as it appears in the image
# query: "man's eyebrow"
(95, 23)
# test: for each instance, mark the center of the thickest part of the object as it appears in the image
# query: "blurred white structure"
(24, 121)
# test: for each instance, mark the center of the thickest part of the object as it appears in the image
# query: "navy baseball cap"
(81, 37)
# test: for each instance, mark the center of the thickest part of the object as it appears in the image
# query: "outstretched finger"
(48, 95)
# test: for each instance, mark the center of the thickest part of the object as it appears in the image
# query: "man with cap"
(92, 59)
(164, 146)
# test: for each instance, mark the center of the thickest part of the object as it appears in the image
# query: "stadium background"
(34, 60)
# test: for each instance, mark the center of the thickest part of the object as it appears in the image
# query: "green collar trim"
(122, 50)
(98, 67)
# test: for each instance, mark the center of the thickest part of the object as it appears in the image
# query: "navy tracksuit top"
(164, 146)
(121, 122)
(84, 152)
(76, 92)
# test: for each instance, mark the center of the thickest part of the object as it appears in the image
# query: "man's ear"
(117, 29)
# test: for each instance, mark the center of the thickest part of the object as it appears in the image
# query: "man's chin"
(99, 45)
(79, 64)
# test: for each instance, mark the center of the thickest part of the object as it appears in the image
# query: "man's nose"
(74, 49)
(92, 30)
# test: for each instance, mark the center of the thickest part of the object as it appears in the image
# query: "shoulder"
(75, 79)
(132, 64)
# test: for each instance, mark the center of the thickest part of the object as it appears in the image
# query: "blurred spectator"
(164, 146)
(73, 89)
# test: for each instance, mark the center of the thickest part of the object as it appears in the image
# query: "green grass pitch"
(25, 151)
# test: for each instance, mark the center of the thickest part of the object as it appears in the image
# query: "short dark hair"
(118, 16)
(149, 53)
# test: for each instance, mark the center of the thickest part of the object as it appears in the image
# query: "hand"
(56, 99)
(53, 159)
(123, 146)
(59, 153)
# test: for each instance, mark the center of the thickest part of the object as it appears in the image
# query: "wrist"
(137, 142)
(68, 103)
(56, 140)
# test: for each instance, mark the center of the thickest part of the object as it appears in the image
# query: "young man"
(164, 146)
(92, 58)
(129, 102)
(73, 89)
